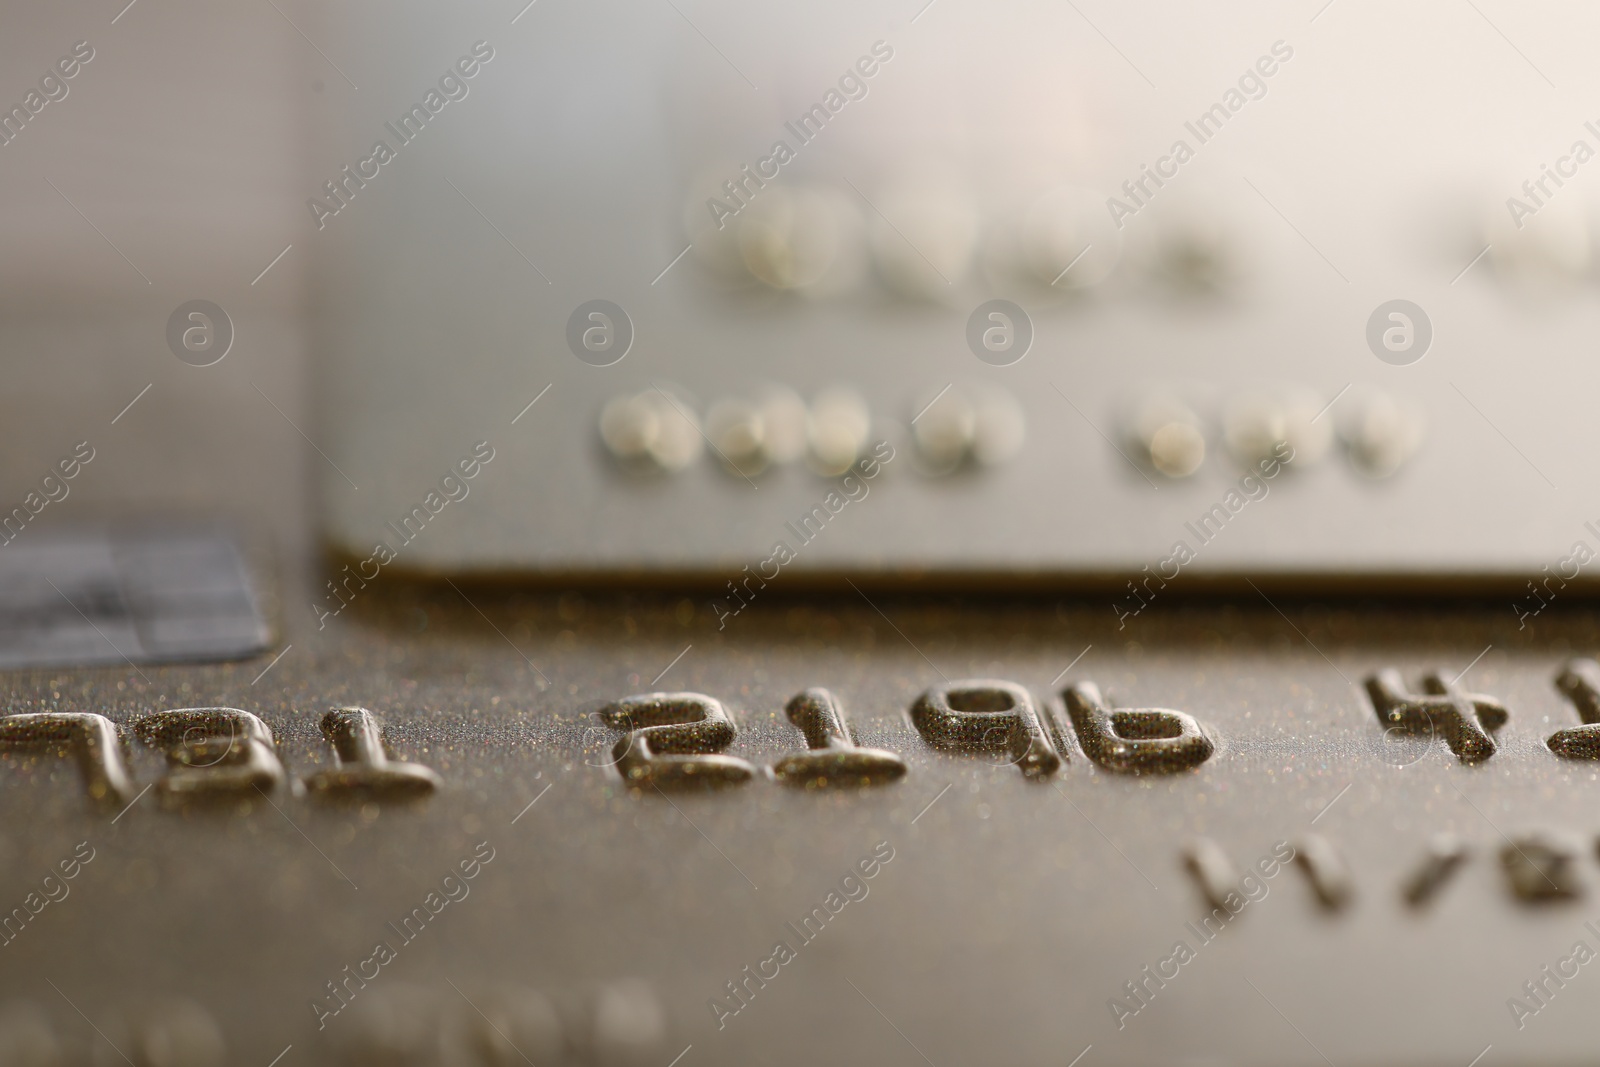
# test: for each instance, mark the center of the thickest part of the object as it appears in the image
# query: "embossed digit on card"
(675, 740)
(834, 759)
(364, 768)
(92, 740)
(1467, 720)
(211, 752)
(1135, 740)
(1579, 682)
(986, 715)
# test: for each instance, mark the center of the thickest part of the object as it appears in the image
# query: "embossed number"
(1135, 740)
(834, 760)
(91, 739)
(675, 740)
(986, 715)
(1579, 682)
(364, 768)
(211, 752)
(1465, 719)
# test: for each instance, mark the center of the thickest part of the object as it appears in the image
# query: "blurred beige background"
(178, 144)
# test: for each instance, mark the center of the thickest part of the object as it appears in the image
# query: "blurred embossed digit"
(1465, 719)
(211, 752)
(1135, 740)
(986, 715)
(1579, 682)
(834, 759)
(675, 740)
(90, 739)
(364, 769)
